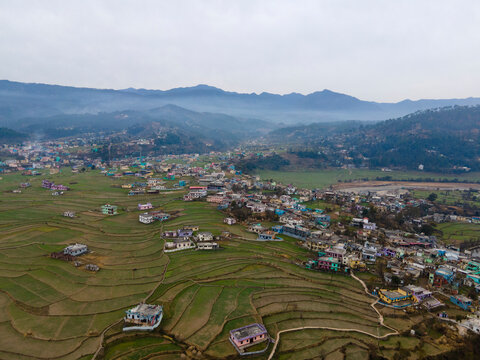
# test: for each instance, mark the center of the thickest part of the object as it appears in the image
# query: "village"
(387, 235)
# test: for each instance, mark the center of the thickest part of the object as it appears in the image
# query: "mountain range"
(25, 100)
(442, 140)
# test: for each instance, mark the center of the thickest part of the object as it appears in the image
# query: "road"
(380, 320)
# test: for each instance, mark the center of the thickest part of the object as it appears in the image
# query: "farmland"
(325, 178)
(53, 310)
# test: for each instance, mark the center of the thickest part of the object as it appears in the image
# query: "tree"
(432, 197)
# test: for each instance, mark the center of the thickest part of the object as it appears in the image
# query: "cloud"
(372, 49)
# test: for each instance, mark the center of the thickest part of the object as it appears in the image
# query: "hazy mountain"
(444, 139)
(11, 136)
(169, 121)
(20, 100)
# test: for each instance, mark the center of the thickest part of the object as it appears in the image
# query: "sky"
(375, 50)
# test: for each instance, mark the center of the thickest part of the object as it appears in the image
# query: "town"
(386, 238)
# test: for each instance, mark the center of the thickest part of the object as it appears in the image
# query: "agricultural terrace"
(50, 309)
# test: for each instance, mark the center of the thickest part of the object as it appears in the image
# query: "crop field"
(50, 309)
(456, 198)
(457, 233)
(325, 178)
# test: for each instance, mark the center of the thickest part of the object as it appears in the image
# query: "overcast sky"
(383, 50)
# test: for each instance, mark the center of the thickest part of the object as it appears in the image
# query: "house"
(179, 244)
(92, 267)
(327, 263)
(418, 293)
(229, 221)
(185, 232)
(256, 228)
(160, 216)
(393, 296)
(314, 244)
(75, 250)
(267, 236)
(204, 236)
(369, 253)
(322, 219)
(207, 246)
(296, 231)
(369, 226)
(146, 218)
(146, 206)
(247, 336)
(143, 317)
(443, 276)
(336, 253)
(108, 209)
(217, 199)
(278, 228)
(462, 301)
(170, 234)
(191, 227)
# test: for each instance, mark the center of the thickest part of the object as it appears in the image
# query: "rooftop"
(146, 309)
(248, 331)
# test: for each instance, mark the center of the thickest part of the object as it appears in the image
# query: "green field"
(457, 233)
(50, 309)
(325, 178)
(451, 197)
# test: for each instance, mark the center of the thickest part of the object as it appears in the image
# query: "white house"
(75, 250)
(207, 246)
(204, 236)
(145, 218)
(229, 221)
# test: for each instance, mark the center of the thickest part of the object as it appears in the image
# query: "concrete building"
(75, 250)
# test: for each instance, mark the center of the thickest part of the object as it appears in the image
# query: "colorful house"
(327, 263)
(160, 216)
(443, 276)
(75, 250)
(418, 293)
(146, 218)
(108, 209)
(229, 221)
(247, 336)
(146, 206)
(267, 236)
(394, 296)
(462, 301)
(143, 317)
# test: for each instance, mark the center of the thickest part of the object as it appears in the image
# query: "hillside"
(10, 136)
(194, 131)
(20, 100)
(443, 140)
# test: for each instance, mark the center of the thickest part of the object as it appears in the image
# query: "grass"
(325, 178)
(457, 233)
(49, 308)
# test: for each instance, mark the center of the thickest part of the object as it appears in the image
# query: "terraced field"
(50, 309)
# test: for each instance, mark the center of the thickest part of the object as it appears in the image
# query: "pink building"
(248, 335)
(145, 206)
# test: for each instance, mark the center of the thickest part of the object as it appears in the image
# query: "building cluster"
(189, 237)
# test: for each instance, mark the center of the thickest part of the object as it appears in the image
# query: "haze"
(374, 50)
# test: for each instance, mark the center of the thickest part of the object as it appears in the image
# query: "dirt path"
(380, 320)
(102, 335)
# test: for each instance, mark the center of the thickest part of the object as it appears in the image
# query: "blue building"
(461, 301)
(278, 228)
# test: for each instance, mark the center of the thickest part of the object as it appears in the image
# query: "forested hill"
(445, 139)
(8, 136)
(442, 139)
(458, 119)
